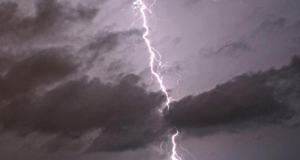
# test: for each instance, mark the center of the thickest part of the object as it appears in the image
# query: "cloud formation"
(249, 98)
(41, 93)
(44, 66)
(50, 16)
(77, 106)
(230, 49)
(43, 90)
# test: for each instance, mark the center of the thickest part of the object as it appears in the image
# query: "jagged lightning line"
(178, 79)
(187, 151)
(140, 5)
(174, 153)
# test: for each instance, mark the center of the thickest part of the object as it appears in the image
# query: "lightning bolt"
(187, 152)
(155, 57)
(174, 153)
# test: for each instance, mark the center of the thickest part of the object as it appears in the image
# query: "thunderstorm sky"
(75, 82)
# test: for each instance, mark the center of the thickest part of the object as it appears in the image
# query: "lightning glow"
(187, 151)
(155, 57)
(154, 54)
(174, 153)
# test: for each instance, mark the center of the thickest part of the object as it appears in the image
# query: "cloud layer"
(257, 98)
(46, 89)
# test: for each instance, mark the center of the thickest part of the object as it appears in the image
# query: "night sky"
(75, 81)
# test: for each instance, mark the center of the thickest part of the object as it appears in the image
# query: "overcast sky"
(75, 81)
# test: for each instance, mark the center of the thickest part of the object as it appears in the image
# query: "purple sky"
(75, 81)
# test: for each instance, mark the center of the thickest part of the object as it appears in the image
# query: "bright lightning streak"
(187, 151)
(139, 4)
(174, 153)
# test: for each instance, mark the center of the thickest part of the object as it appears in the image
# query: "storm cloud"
(230, 49)
(75, 107)
(44, 89)
(259, 98)
(75, 81)
(49, 18)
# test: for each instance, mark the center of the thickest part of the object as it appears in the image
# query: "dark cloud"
(275, 27)
(117, 66)
(43, 91)
(127, 138)
(84, 13)
(50, 17)
(63, 144)
(273, 24)
(24, 79)
(76, 107)
(256, 97)
(230, 48)
(39, 67)
(296, 125)
(106, 42)
(120, 111)
(6, 60)
(99, 105)
(40, 90)
(295, 63)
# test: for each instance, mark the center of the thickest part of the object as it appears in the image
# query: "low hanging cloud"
(126, 113)
(259, 98)
(51, 17)
(45, 91)
(75, 107)
(44, 66)
(106, 42)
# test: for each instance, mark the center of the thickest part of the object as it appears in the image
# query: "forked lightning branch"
(155, 59)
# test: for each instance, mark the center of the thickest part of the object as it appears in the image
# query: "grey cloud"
(125, 111)
(99, 104)
(135, 138)
(24, 79)
(6, 60)
(106, 42)
(117, 66)
(76, 107)
(63, 144)
(277, 27)
(49, 19)
(230, 48)
(39, 67)
(295, 63)
(249, 98)
(85, 13)
(37, 95)
(277, 23)
(109, 40)
(296, 125)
